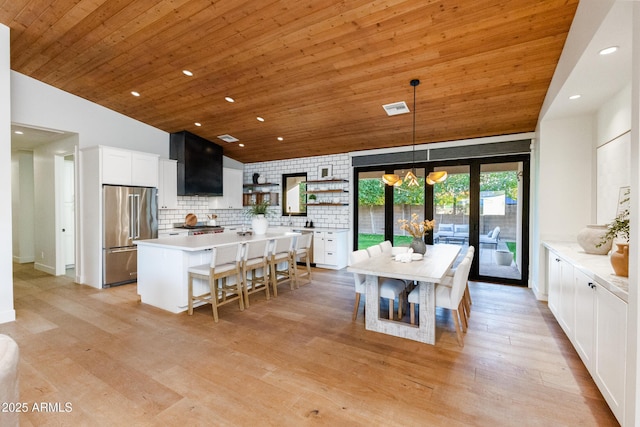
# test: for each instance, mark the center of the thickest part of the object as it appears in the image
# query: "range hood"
(199, 164)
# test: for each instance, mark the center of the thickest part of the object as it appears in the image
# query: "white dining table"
(428, 271)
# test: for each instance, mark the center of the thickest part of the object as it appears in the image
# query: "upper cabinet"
(231, 191)
(125, 167)
(168, 184)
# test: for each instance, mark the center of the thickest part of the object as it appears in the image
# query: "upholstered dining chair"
(302, 253)
(467, 295)
(449, 297)
(255, 268)
(386, 247)
(390, 289)
(374, 250)
(281, 254)
(225, 263)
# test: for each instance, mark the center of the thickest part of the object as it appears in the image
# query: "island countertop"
(207, 241)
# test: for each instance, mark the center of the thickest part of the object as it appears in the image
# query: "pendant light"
(410, 178)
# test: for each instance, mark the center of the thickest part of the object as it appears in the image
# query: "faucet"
(290, 222)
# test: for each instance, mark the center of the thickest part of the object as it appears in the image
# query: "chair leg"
(400, 304)
(274, 278)
(391, 301)
(245, 288)
(463, 317)
(356, 305)
(292, 278)
(454, 313)
(412, 314)
(213, 287)
(190, 294)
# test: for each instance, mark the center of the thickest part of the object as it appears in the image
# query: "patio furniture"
(491, 238)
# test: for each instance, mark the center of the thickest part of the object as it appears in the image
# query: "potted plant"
(258, 213)
(619, 229)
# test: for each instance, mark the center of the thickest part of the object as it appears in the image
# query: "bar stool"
(225, 262)
(282, 253)
(255, 268)
(302, 253)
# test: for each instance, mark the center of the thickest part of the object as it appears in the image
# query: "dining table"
(427, 271)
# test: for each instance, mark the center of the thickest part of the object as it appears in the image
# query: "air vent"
(396, 108)
(228, 138)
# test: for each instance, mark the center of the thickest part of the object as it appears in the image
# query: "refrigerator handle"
(137, 198)
(131, 223)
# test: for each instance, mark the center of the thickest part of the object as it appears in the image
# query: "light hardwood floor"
(297, 359)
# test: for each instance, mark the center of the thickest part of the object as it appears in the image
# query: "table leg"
(425, 332)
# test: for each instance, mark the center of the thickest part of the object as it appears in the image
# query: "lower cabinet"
(610, 349)
(329, 249)
(595, 320)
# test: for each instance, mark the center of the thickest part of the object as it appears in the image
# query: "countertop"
(207, 241)
(597, 267)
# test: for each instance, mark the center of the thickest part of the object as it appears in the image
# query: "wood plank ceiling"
(317, 71)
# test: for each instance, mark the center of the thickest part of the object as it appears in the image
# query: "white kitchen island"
(163, 265)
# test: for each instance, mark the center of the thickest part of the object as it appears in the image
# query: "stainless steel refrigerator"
(129, 213)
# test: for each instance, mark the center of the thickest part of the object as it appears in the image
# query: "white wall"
(7, 312)
(564, 196)
(22, 206)
(36, 103)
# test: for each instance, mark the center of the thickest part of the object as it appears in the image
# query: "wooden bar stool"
(255, 268)
(282, 253)
(225, 263)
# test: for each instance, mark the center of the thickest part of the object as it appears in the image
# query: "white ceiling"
(596, 77)
(32, 137)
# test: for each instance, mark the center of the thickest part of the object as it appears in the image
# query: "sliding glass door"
(501, 220)
(483, 202)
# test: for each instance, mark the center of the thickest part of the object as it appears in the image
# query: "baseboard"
(45, 268)
(7, 316)
(23, 260)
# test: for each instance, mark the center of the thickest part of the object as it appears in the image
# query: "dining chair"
(449, 297)
(390, 289)
(303, 254)
(255, 268)
(374, 250)
(386, 247)
(281, 253)
(225, 263)
(467, 295)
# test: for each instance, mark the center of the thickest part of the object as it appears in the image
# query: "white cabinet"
(330, 249)
(610, 349)
(168, 184)
(231, 191)
(595, 321)
(561, 292)
(585, 317)
(125, 167)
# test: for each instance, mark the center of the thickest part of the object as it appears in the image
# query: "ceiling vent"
(396, 108)
(228, 138)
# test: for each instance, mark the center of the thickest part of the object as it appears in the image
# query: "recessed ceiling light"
(229, 99)
(134, 93)
(197, 124)
(19, 132)
(608, 50)
(280, 138)
(241, 145)
(575, 96)
(260, 119)
(187, 73)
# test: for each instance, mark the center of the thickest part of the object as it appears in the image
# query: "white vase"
(261, 179)
(591, 236)
(259, 224)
